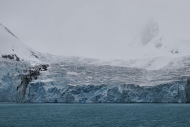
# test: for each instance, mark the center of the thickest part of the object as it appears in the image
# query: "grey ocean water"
(94, 115)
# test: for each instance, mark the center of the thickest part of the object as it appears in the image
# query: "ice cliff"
(78, 83)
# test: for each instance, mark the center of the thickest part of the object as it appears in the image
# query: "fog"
(90, 28)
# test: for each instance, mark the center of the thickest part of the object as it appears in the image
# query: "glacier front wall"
(40, 92)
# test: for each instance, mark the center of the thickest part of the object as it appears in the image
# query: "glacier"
(73, 81)
(28, 76)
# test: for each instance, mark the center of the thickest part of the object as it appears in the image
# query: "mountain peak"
(150, 32)
(157, 39)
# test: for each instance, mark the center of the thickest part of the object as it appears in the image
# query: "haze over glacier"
(98, 29)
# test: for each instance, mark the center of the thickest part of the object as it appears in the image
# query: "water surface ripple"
(94, 115)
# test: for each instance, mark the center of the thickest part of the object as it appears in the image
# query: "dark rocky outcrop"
(9, 31)
(31, 74)
(11, 57)
(151, 30)
(33, 54)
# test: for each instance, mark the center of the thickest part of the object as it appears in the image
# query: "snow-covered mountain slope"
(157, 40)
(11, 47)
(155, 47)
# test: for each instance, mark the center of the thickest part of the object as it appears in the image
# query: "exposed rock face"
(11, 57)
(33, 54)
(159, 43)
(151, 30)
(9, 31)
(28, 77)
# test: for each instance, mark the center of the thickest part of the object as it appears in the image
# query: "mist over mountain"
(98, 29)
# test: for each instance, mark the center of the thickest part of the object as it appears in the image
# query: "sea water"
(94, 115)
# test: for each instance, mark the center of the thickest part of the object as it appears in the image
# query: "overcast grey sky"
(87, 28)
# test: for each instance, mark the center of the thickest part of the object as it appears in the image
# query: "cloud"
(97, 29)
